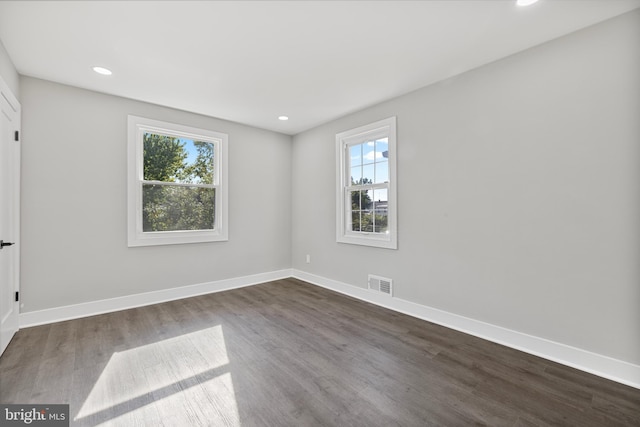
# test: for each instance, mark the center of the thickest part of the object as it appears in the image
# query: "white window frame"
(381, 129)
(137, 126)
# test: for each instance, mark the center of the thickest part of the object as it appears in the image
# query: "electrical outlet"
(308, 259)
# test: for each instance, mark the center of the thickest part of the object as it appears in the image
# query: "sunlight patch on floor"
(184, 379)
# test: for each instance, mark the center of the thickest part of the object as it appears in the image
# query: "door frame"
(12, 101)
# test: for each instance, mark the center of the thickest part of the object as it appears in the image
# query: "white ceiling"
(252, 61)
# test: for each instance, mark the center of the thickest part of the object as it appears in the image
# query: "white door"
(9, 214)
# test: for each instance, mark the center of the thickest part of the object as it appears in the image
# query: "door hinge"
(17, 135)
(17, 296)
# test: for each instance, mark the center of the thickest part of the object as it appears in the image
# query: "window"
(177, 184)
(366, 185)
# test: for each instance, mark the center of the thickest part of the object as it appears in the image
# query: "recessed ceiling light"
(102, 70)
(283, 118)
(525, 2)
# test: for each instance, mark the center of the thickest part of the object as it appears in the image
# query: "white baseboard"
(59, 314)
(597, 364)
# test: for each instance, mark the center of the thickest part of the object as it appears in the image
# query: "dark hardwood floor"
(288, 353)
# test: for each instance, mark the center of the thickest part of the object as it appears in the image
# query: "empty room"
(320, 213)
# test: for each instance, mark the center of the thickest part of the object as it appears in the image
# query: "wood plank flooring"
(287, 353)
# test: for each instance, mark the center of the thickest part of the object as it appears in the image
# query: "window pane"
(368, 152)
(382, 148)
(171, 159)
(356, 175)
(382, 172)
(366, 221)
(367, 174)
(365, 199)
(355, 200)
(361, 216)
(380, 199)
(355, 221)
(355, 155)
(174, 208)
(381, 218)
(199, 164)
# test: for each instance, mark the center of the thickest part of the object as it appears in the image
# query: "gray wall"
(8, 71)
(519, 193)
(74, 212)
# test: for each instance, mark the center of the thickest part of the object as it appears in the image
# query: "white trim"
(584, 360)
(136, 237)
(59, 314)
(380, 129)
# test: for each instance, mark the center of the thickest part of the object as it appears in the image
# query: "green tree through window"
(173, 196)
(364, 216)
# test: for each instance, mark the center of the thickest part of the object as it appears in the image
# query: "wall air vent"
(381, 284)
